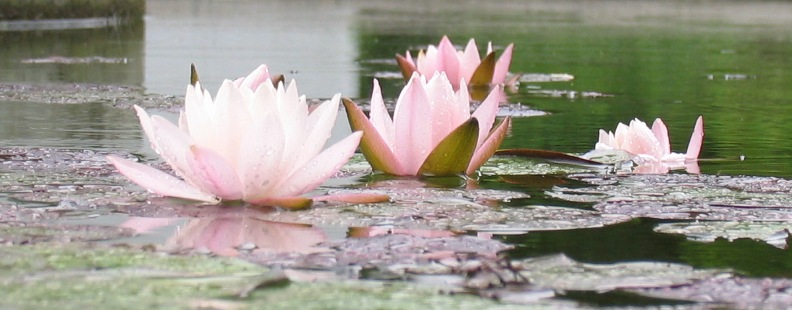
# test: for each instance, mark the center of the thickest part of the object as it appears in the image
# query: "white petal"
(320, 168)
(158, 182)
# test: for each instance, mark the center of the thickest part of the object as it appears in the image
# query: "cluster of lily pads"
(259, 141)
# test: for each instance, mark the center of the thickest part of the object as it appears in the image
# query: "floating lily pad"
(28, 233)
(118, 96)
(774, 233)
(730, 292)
(570, 94)
(512, 165)
(451, 214)
(683, 196)
(562, 273)
(545, 77)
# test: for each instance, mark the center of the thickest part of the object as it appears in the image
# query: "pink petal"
(377, 151)
(413, 125)
(449, 61)
(661, 133)
(198, 111)
(157, 181)
(380, 118)
(319, 169)
(640, 140)
(213, 173)
(254, 79)
(172, 145)
(470, 60)
(502, 65)
(260, 159)
(606, 139)
(319, 126)
(231, 116)
(443, 107)
(696, 139)
(488, 148)
(145, 123)
(486, 113)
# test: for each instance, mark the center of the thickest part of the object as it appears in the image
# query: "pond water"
(728, 62)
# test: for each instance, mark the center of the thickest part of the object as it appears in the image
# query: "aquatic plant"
(649, 147)
(254, 142)
(464, 65)
(432, 131)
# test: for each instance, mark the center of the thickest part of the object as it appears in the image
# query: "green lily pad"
(562, 273)
(774, 233)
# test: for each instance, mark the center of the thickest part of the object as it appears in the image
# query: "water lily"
(432, 131)
(650, 146)
(254, 142)
(459, 65)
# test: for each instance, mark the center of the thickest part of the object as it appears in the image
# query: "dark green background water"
(728, 61)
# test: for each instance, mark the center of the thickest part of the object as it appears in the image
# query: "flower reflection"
(234, 230)
(365, 232)
(432, 131)
(649, 148)
(254, 142)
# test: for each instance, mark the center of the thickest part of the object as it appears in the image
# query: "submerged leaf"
(452, 155)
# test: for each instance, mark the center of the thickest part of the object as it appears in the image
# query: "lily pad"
(774, 233)
(562, 273)
(514, 165)
(683, 196)
(730, 292)
(119, 96)
(28, 233)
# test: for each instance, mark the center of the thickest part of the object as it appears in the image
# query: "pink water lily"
(464, 65)
(254, 142)
(651, 146)
(432, 131)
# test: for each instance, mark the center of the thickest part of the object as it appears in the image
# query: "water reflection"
(84, 126)
(231, 231)
(75, 55)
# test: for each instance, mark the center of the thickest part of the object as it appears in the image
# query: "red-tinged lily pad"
(552, 156)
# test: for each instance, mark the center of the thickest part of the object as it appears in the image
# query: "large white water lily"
(432, 131)
(254, 142)
(464, 65)
(651, 147)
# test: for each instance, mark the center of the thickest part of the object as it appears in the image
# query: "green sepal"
(372, 145)
(193, 75)
(483, 75)
(452, 155)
